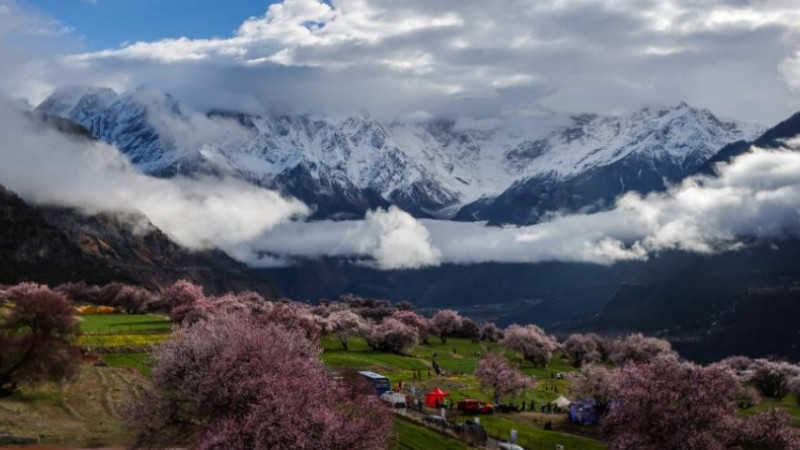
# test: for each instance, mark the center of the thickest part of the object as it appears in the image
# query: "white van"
(509, 446)
(398, 401)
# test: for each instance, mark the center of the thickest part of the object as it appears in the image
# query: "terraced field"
(85, 412)
(124, 330)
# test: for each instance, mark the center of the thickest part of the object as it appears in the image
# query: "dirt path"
(85, 412)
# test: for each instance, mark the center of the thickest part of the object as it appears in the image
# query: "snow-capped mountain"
(346, 165)
(588, 164)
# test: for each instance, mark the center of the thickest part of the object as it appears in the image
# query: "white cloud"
(474, 58)
(46, 167)
(755, 197)
(386, 239)
(394, 239)
(790, 70)
(28, 42)
(515, 80)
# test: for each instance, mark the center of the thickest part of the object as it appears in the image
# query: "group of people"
(525, 406)
(417, 375)
(550, 387)
(446, 404)
(549, 408)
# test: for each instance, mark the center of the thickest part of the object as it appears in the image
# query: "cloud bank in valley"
(47, 167)
(756, 196)
(386, 239)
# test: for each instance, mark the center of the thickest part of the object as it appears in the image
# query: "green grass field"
(359, 355)
(459, 357)
(136, 361)
(125, 323)
(535, 437)
(123, 330)
(788, 404)
(417, 437)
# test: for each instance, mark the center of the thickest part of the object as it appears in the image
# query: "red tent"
(434, 398)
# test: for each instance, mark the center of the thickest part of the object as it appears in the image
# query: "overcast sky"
(471, 58)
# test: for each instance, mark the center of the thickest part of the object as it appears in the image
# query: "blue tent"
(583, 413)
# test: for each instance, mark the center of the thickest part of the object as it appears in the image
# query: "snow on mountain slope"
(346, 165)
(588, 164)
(682, 134)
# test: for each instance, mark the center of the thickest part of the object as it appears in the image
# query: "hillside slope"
(57, 245)
(33, 249)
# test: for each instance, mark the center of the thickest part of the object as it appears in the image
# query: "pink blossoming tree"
(771, 378)
(637, 348)
(499, 378)
(445, 322)
(344, 325)
(36, 337)
(489, 332)
(581, 349)
(595, 384)
(183, 297)
(392, 336)
(531, 342)
(420, 323)
(231, 382)
(670, 405)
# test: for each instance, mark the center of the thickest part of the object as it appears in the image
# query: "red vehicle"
(474, 406)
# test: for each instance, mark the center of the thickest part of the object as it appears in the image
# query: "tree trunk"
(7, 383)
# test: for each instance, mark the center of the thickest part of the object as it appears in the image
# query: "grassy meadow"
(123, 330)
(411, 436)
(87, 411)
(458, 358)
(121, 342)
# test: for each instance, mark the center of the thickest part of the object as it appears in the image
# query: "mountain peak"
(67, 101)
(356, 162)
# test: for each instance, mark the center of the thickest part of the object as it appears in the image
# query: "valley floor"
(86, 412)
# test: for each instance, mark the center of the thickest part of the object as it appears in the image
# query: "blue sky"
(109, 23)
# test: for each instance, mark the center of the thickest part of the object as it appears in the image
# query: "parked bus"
(379, 382)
